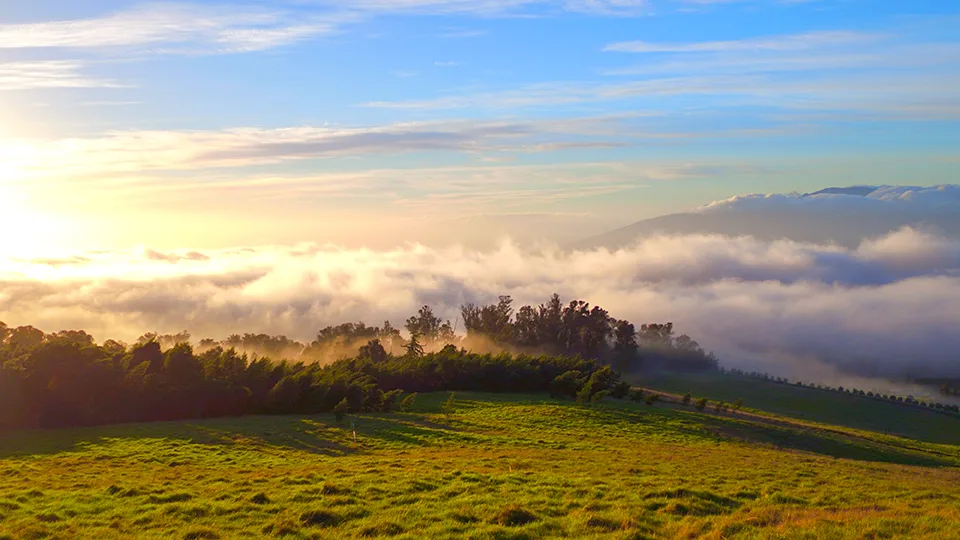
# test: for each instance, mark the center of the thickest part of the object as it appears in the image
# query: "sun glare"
(25, 231)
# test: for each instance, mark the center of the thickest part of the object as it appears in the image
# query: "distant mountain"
(840, 215)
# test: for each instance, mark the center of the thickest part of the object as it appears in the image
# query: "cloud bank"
(888, 308)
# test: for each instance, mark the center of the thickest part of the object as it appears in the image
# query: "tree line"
(869, 394)
(67, 379)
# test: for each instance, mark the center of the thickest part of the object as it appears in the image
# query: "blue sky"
(374, 122)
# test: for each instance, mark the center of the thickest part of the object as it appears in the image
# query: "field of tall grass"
(495, 466)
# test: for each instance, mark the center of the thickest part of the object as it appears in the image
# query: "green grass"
(815, 405)
(505, 466)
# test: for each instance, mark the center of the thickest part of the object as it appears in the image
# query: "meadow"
(496, 466)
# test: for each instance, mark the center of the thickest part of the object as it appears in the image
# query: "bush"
(653, 398)
(599, 396)
(448, 406)
(702, 404)
(340, 411)
(514, 516)
(738, 405)
(636, 395)
(407, 404)
(686, 399)
(390, 399)
(621, 390)
(567, 385)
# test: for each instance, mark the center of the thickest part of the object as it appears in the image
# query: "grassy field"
(815, 405)
(497, 467)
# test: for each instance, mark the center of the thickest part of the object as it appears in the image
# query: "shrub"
(390, 398)
(567, 385)
(340, 411)
(448, 406)
(686, 399)
(738, 405)
(583, 396)
(637, 395)
(621, 390)
(514, 516)
(702, 404)
(319, 518)
(653, 398)
(407, 404)
(599, 396)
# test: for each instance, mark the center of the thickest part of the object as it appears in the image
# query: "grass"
(823, 406)
(504, 466)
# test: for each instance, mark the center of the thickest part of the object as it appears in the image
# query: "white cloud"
(889, 307)
(918, 200)
(170, 27)
(48, 74)
(492, 7)
(795, 42)
(139, 151)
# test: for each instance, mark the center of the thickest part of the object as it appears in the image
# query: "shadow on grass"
(800, 439)
(322, 435)
(318, 434)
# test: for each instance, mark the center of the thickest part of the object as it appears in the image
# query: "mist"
(888, 309)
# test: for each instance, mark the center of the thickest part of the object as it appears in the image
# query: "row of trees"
(550, 328)
(904, 400)
(66, 379)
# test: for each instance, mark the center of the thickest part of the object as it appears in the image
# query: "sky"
(207, 125)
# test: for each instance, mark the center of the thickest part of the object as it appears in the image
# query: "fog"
(889, 308)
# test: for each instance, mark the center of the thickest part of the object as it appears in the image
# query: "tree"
(414, 348)
(181, 365)
(340, 411)
(430, 328)
(374, 351)
(624, 345)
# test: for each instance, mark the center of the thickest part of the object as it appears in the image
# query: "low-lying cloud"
(888, 308)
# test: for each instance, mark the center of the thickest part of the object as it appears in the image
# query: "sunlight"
(25, 232)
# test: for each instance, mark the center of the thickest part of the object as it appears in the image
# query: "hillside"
(496, 466)
(810, 404)
(844, 216)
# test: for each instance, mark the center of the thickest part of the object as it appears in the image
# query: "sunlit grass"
(498, 467)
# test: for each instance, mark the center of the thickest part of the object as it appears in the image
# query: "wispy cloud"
(49, 74)
(493, 7)
(462, 34)
(160, 27)
(133, 151)
(795, 42)
(865, 72)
